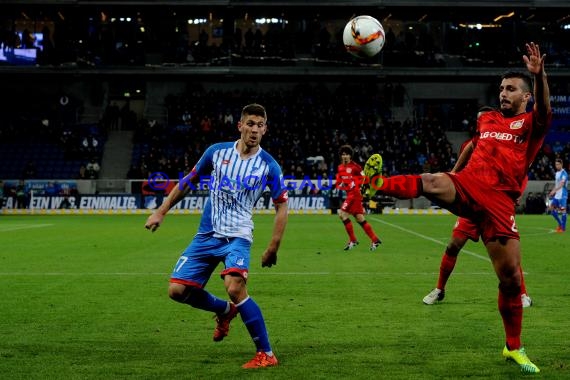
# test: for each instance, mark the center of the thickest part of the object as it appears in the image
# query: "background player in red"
(486, 190)
(349, 178)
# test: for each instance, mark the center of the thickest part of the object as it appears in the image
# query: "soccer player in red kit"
(349, 178)
(463, 231)
(486, 190)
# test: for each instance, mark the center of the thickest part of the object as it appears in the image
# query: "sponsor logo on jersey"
(503, 136)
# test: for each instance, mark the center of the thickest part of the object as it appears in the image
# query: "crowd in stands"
(42, 139)
(307, 125)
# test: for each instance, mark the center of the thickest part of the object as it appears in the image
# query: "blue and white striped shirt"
(235, 186)
(561, 176)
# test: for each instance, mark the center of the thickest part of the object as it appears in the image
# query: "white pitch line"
(23, 227)
(387, 274)
(425, 237)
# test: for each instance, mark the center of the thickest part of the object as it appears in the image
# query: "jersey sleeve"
(541, 124)
(278, 189)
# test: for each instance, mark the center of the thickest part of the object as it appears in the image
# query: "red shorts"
(466, 228)
(493, 211)
(352, 206)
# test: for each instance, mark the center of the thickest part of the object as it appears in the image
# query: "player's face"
(252, 128)
(345, 158)
(513, 96)
(558, 166)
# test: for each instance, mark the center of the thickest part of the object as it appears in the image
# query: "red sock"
(369, 231)
(349, 229)
(523, 286)
(445, 269)
(511, 311)
(402, 186)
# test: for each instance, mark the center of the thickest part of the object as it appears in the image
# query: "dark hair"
(254, 109)
(346, 149)
(517, 74)
(559, 160)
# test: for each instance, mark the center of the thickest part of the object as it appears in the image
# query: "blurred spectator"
(92, 169)
(21, 195)
(82, 172)
(89, 145)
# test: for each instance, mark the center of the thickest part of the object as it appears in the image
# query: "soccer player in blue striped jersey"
(559, 196)
(236, 173)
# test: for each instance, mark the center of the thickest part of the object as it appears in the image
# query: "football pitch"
(85, 297)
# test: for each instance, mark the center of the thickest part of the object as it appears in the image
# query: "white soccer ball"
(363, 36)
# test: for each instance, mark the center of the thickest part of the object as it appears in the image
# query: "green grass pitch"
(85, 297)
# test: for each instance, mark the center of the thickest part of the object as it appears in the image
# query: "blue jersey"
(561, 176)
(235, 186)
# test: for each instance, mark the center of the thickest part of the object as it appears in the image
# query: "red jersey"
(505, 147)
(349, 178)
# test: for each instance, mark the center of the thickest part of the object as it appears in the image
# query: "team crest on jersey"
(517, 124)
(225, 162)
(349, 170)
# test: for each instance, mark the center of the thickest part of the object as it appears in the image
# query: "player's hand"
(154, 221)
(534, 61)
(269, 258)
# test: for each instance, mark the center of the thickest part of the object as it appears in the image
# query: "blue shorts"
(559, 204)
(205, 252)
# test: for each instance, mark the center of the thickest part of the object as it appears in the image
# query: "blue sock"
(253, 320)
(201, 299)
(555, 215)
(564, 220)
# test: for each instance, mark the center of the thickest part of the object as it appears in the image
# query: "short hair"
(346, 149)
(254, 109)
(559, 160)
(517, 74)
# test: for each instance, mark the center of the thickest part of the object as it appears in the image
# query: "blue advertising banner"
(151, 202)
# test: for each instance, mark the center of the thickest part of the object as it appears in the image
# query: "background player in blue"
(237, 173)
(559, 196)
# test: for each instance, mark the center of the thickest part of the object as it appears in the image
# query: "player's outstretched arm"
(176, 194)
(463, 157)
(269, 257)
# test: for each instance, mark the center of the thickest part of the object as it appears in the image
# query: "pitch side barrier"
(307, 196)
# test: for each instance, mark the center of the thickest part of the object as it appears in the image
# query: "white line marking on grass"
(15, 227)
(425, 237)
(120, 274)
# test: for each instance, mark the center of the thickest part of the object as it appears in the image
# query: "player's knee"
(452, 249)
(432, 183)
(510, 281)
(235, 287)
(179, 292)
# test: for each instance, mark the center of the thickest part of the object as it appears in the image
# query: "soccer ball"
(363, 36)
